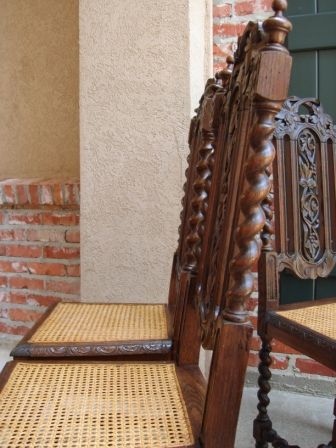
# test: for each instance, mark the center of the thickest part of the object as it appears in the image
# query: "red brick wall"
(229, 20)
(39, 249)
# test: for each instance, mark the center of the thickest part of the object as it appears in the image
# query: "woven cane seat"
(321, 319)
(89, 405)
(83, 322)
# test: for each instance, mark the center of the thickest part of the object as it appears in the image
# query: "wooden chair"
(141, 330)
(156, 404)
(305, 247)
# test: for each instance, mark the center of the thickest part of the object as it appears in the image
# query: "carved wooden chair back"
(199, 213)
(305, 199)
(236, 120)
(305, 244)
(258, 87)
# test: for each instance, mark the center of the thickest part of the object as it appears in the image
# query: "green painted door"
(312, 44)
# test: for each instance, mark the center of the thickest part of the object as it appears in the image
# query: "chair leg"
(262, 425)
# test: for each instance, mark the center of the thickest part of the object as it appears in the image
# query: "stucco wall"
(136, 95)
(39, 113)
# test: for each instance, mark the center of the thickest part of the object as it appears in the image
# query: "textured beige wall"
(139, 80)
(39, 113)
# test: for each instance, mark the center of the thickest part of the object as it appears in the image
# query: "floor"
(294, 415)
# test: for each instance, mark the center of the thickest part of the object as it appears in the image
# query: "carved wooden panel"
(305, 140)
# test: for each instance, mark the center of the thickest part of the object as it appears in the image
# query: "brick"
(61, 252)
(45, 235)
(22, 194)
(2, 250)
(34, 194)
(46, 195)
(12, 235)
(24, 315)
(12, 266)
(73, 270)
(266, 5)
(224, 10)
(3, 296)
(58, 194)
(244, 8)
(2, 217)
(61, 219)
(24, 218)
(11, 329)
(5, 266)
(255, 343)
(253, 360)
(229, 29)
(70, 194)
(63, 286)
(16, 297)
(279, 347)
(46, 268)
(313, 367)
(278, 362)
(4, 313)
(24, 251)
(218, 51)
(3, 281)
(9, 194)
(72, 236)
(25, 283)
(43, 300)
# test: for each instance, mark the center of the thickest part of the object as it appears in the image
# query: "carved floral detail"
(35, 350)
(290, 117)
(310, 207)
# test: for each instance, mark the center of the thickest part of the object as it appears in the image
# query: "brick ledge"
(46, 193)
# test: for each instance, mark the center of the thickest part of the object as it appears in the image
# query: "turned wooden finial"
(278, 26)
(225, 74)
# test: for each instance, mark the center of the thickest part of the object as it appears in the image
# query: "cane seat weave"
(89, 405)
(83, 322)
(321, 319)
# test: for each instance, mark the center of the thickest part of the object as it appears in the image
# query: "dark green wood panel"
(293, 289)
(298, 7)
(326, 287)
(326, 5)
(312, 32)
(304, 74)
(327, 80)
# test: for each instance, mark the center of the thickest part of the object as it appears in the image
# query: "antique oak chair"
(305, 247)
(161, 404)
(141, 330)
